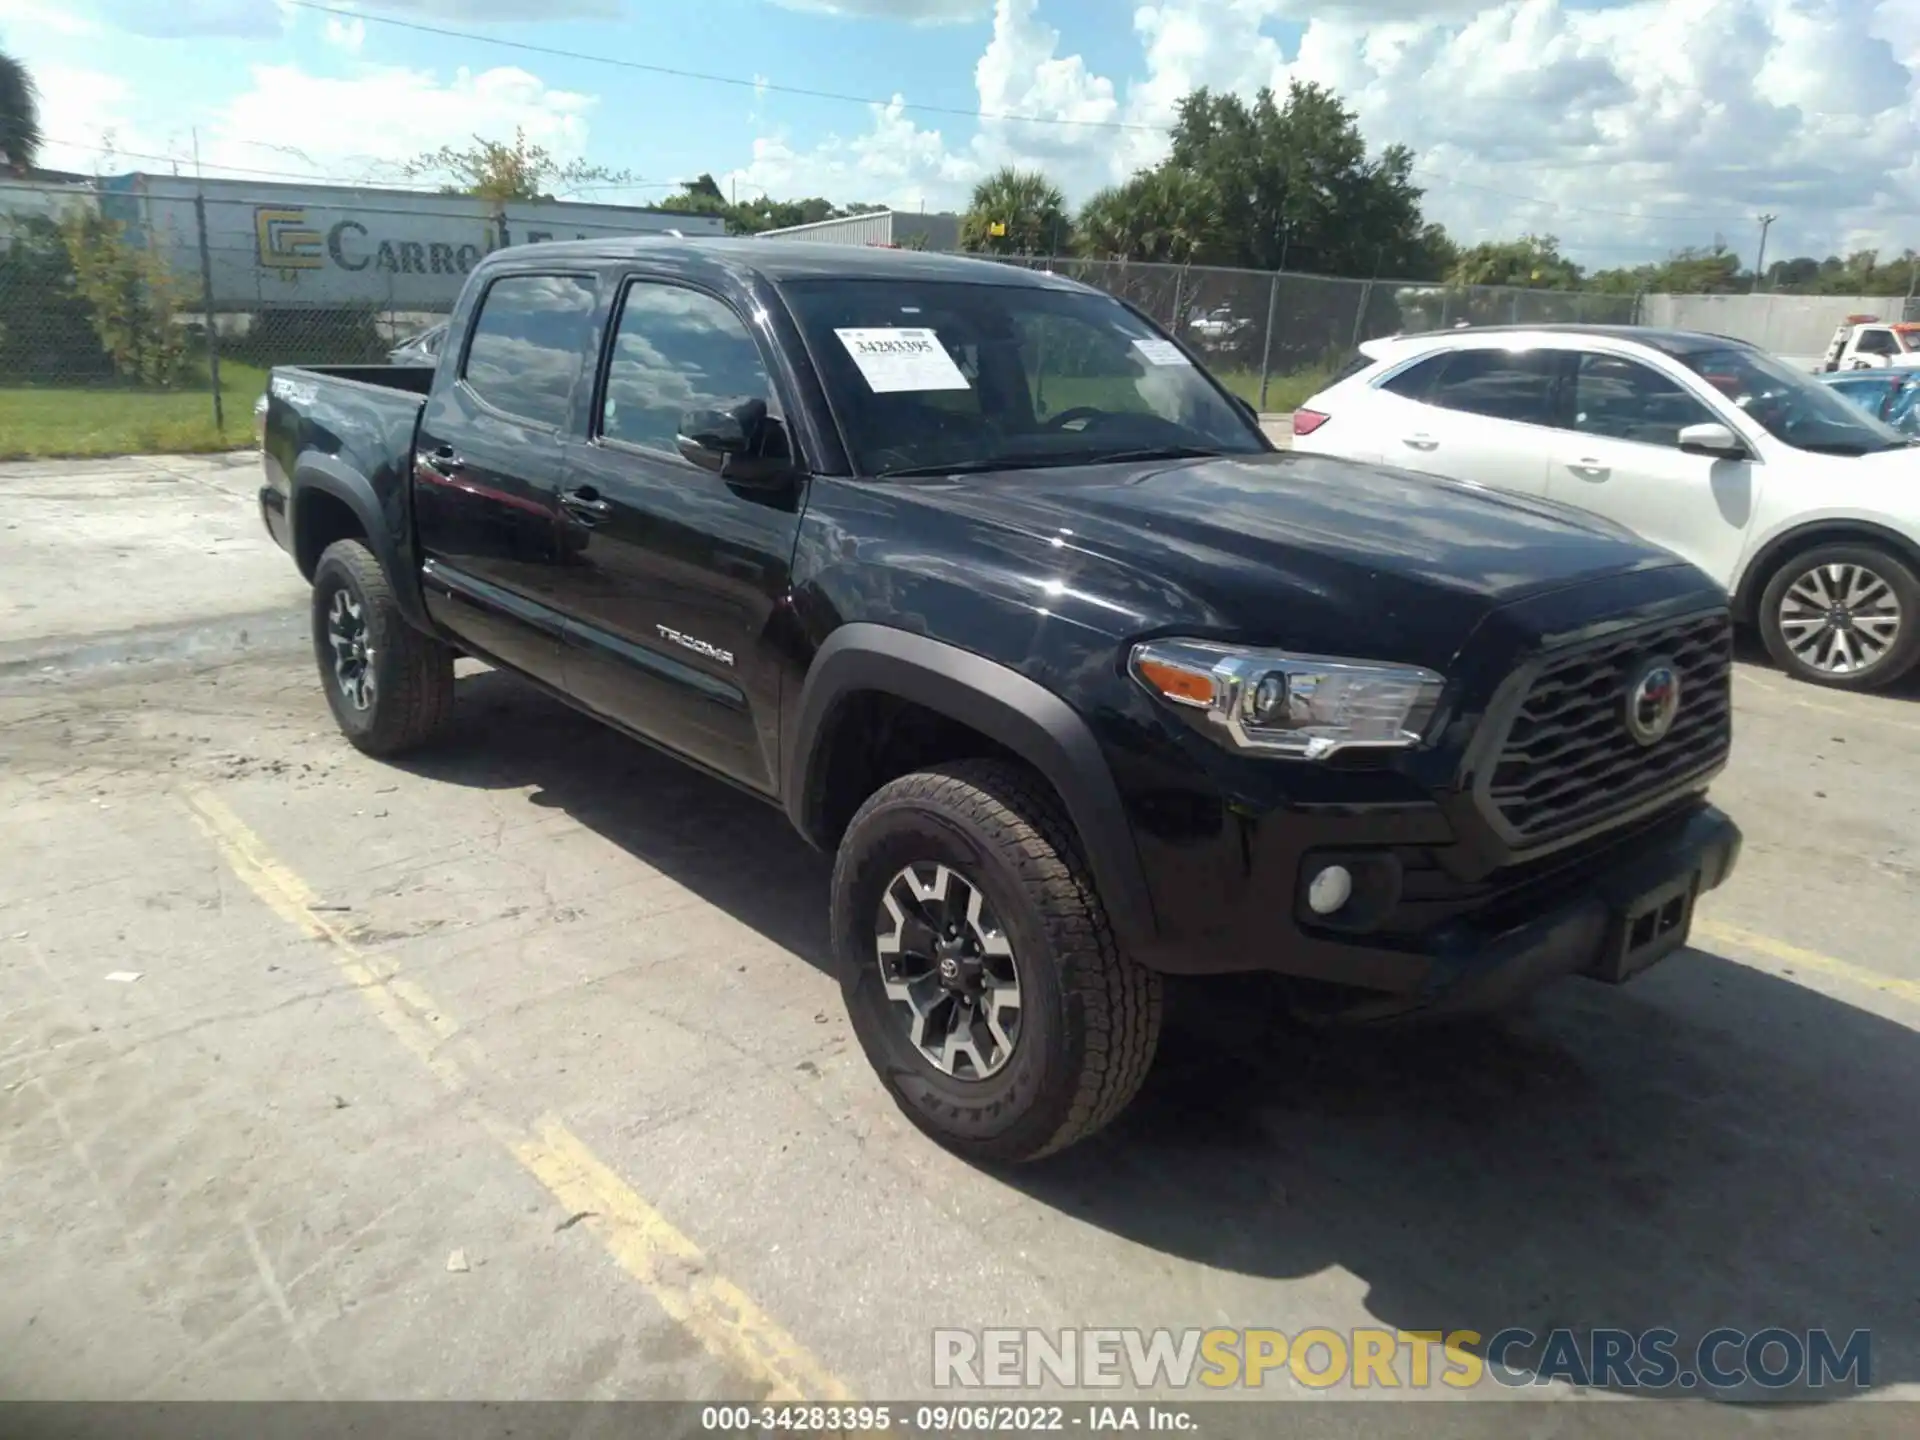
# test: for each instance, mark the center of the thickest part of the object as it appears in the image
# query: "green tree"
(501, 171)
(1292, 186)
(703, 196)
(1161, 215)
(19, 117)
(1017, 212)
(1532, 262)
(131, 298)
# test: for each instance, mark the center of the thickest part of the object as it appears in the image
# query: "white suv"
(1806, 508)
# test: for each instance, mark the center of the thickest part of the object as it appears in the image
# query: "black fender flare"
(1023, 716)
(325, 475)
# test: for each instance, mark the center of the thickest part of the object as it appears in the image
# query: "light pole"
(1760, 260)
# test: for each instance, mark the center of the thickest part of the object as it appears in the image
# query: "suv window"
(676, 350)
(526, 345)
(1503, 384)
(1625, 400)
(1876, 342)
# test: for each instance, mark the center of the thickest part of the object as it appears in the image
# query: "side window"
(1622, 399)
(1416, 382)
(1501, 384)
(676, 350)
(527, 342)
(1876, 342)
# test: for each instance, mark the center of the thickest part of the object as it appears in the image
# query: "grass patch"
(45, 422)
(1284, 392)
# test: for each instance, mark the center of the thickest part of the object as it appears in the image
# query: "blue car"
(1891, 395)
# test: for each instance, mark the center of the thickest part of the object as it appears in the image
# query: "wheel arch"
(1015, 715)
(1840, 530)
(332, 501)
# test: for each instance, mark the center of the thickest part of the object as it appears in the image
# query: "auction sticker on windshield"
(892, 360)
(1161, 352)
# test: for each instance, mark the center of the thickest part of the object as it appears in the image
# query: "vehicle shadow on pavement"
(1708, 1146)
(730, 849)
(1748, 649)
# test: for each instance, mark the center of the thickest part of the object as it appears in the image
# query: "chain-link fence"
(1275, 338)
(150, 321)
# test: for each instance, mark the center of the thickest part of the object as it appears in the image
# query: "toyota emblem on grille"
(1653, 699)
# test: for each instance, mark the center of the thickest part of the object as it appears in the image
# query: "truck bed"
(415, 379)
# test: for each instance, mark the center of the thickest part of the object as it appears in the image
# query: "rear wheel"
(389, 686)
(1844, 615)
(980, 972)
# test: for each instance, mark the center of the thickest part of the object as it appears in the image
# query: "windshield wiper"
(1153, 452)
(1052, 459)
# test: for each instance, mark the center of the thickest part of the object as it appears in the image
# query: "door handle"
(1420, 442)
(585, 504)
(442, 461)
(1589, 469)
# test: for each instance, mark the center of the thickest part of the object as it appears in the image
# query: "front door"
(488, 464)
(676, 573)
(1619, 455)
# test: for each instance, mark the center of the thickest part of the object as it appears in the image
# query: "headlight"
(1306, 706)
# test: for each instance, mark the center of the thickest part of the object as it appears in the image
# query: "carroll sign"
(285, 240)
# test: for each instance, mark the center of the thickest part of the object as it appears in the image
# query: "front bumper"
(1609, 914)
(1632, 916)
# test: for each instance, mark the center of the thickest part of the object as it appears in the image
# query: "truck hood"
(1292, 548)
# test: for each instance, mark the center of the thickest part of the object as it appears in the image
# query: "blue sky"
(1626, 127)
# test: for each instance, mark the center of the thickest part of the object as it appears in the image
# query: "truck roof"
(778, 260)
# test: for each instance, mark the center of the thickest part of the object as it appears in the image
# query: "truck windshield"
(932, 376)
(1793, 407)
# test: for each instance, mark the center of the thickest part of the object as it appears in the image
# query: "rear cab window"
(526, 344)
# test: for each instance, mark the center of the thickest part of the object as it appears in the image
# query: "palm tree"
(1165, 215)
(19, 117)
(1016, 212)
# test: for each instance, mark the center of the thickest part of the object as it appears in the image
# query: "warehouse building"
(889, 229)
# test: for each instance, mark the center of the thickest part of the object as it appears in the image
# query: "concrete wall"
(1795, 327)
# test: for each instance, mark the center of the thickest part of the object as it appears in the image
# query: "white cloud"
(347, 35)
(17, 15)
(378, 118)
(919, 12)
(1628, 129)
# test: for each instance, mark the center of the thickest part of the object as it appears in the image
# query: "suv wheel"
(980, 973)
(389, 686)
(1844, 615)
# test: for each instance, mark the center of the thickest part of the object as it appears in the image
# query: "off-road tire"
(412, 673)
(1090, 1017)
(1898, 574)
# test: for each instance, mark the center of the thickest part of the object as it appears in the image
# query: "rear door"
(677, 573)
(1480, 413)
(491, 454)
(1619, 455)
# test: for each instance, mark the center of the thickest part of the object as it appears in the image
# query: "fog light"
(1329, 890)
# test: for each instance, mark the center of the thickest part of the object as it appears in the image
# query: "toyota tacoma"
(1013, 608)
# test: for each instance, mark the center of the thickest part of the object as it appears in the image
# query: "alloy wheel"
(948, 970)
(352, 650)
(1840, 619)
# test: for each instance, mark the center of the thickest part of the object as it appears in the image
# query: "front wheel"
(1844, 615)
(979, 970)
(389, 686)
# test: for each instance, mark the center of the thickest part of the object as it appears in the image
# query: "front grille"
(1568, 759)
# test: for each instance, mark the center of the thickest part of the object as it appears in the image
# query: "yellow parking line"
(642, 1241)
(1780, 950)
(1861, 712)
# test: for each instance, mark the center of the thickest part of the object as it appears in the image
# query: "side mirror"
(1713, 439)
(738, 441)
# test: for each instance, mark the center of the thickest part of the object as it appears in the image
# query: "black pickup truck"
(1014, 609)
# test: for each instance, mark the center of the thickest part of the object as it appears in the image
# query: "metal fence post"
(1173, 320)
(206, 306)
(1360, 314)
(1266, 345)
